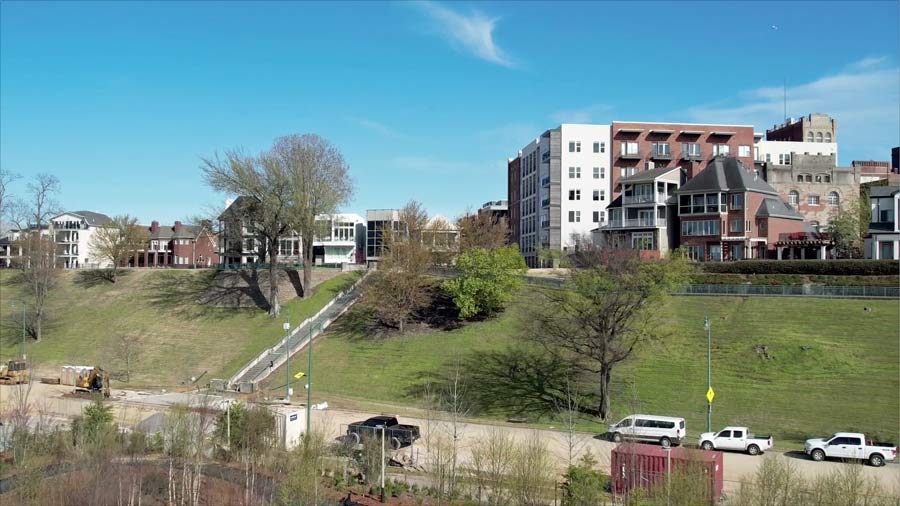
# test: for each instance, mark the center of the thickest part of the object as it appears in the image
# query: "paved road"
(132, 406)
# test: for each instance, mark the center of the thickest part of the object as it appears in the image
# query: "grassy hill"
(833, 366)
(178, 338)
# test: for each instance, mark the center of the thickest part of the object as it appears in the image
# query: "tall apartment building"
(513, 196)
(640, 146)
(71, 232)
(814, 127)
(562, 179)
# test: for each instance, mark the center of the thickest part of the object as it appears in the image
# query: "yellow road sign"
(300, 375)
(710, 395)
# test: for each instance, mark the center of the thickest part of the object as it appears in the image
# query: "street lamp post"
(287, 361)
(382, 428)
(708, 374)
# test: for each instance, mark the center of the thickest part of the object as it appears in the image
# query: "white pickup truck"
(735, 438)
(850, 445)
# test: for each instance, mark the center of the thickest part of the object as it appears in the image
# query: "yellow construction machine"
(14, 372)
(94, 382)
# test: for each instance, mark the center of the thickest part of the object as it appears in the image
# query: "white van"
(664, 429)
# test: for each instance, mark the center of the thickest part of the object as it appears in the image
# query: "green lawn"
(848, 378)
(179, 338)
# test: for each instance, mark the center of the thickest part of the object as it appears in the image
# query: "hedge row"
(702, 278)
(808, 267)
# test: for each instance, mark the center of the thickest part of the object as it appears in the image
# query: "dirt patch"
(249, 288)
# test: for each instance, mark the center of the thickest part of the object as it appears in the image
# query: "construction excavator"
(14, 372)
(94, 382)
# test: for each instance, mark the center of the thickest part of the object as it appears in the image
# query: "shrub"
(808, 267)
(487, 280)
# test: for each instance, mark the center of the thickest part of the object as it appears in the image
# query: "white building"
(564, 187)
(72, 232)
(341, 237)
(779, 152)
(883, 237)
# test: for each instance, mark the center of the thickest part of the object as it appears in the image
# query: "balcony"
(659, 155)
(636, 223)
(630, 154)
(659, 198)
(692, 156)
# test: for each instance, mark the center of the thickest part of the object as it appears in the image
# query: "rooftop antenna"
(784, 84)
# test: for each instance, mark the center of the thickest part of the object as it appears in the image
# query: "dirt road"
(133, 406)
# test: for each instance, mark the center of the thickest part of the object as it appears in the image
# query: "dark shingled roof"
(883, 191)
(774, 207)
(93, 219)
(727, 174)
(648, 175)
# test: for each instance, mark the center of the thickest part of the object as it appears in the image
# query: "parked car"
(666, 430)
(735, 438)
(850, 445)
(397, 435)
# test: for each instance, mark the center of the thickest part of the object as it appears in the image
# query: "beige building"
(813, 185)
(813, 127)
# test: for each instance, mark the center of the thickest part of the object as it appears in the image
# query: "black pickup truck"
(397, 435)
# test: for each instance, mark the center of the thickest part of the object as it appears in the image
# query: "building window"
(807, 178)
(743, 150)
(737, 200)
(596, 216)
(690, 150)
(768, 157)
(694, 252)
(833, 199)
(818, 178)
(784, 159)
(599, 147)
(812, 200)
(596, 172)
(574, 194)
(622, 172)
(721, 149)
(597, 195)
(700, 228)
(809, 137)
(736, 226)
(602, 216)
(827, 136)
(574, 216)
(574, 172)
(629, 148)
(602, 195)
(793, 198)
(642, 240)
(826, 178)
(661, 149)
(575, 147)
(818, 136)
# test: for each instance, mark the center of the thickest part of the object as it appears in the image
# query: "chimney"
(154, 226)
(177, 226)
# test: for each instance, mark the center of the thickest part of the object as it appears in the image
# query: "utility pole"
(383, 430)
(309, 362)
(287, 361)
(709, 391)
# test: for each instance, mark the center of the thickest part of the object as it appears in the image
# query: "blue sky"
(426, 100)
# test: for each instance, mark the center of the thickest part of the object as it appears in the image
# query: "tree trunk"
(38, 317)
(274, 307)
(603, 407)
(307, 268)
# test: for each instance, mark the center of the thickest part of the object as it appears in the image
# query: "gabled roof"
(93, 219)
(727, 174)
(648, 176)
(239, 208)
(187, 231)
(774, 207)
(883, 191)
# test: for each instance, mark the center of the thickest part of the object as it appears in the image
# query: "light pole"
(382, 427)
(287, 361)
(709, 391)
(668, 474)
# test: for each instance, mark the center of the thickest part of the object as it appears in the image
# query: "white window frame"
(812, 200)
(743, 150)
(793, 197)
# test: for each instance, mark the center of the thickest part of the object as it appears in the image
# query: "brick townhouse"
(179, 246)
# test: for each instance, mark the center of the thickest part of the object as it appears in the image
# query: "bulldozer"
(14, 372)
(94, 382)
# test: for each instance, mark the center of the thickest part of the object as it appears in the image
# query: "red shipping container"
(643, 466)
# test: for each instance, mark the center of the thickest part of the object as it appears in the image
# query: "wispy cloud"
(379, 128)
(473, 33)
(586, 114)
(864, 98)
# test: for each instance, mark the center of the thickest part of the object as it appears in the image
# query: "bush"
(584, 485)
(808, 267)
(487, 280)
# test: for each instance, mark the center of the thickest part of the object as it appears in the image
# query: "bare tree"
(265, 192)
(569, 410)
(6, 179)
(127, 350)
(38, 260)
(400, 286)
(117, 240)
(607, 310)
(482, 230)
(319, 183)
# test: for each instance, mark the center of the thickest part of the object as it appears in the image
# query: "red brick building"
(513, 198)
(728, 212)
(180, 246)
(640, 146)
